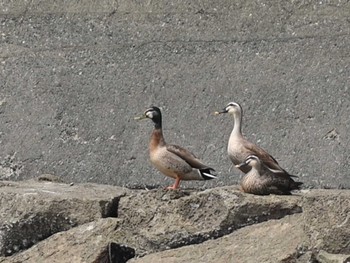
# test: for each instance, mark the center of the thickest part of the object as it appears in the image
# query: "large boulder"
(327, 220)
(32, 211)
(85, 243)
(98, 223)
(173, 219)
(148, 221)
(269, 242)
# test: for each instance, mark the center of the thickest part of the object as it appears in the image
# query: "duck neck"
(257, 167)
(157, 138)
(254, 172)
(237, 121)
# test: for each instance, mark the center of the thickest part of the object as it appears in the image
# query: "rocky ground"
(44, 221)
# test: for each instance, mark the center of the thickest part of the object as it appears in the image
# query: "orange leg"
(175, 186)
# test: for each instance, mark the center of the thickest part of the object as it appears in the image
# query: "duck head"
(251, 160)
(232, 108)
(152, 113)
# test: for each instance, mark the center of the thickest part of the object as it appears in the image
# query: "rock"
(327, 220)
(269, 242)
(324, 257)
(214, 225)
(148, 221)
(32, 211)
(170, 219)
(85, 243)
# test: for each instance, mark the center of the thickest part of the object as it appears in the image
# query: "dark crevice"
(110, 208)
(115, 253)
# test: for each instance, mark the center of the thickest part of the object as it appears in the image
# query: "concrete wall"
(75, 73)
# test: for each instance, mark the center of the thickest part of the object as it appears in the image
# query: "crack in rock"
(115, 253)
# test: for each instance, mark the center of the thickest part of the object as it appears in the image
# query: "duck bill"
(220, 112)
(240, 165)
(139, 118)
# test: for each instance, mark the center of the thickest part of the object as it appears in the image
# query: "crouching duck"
(173, 160)
(261, 180)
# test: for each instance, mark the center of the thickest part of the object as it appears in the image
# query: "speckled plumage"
(261, 180)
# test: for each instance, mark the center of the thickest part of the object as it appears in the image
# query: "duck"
(261, 180)
(239, 147)
(172, 160)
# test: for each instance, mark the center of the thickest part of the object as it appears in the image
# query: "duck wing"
(186, 155)
(281, 183)
(264, 156)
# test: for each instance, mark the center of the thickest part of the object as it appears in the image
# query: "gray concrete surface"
(74, 74)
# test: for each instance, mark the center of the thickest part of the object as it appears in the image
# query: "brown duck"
(172, 160)
(261, 180)
(239, 147)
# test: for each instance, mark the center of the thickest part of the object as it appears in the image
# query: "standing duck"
(239, 147)
(261, 180)
(172, 160)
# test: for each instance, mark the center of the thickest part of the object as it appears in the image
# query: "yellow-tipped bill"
(220, 112)
(240, 165)
(142, 117)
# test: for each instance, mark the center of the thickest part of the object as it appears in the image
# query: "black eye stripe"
(251, 157)
(233, 104)
(149, 110)
(153, 109)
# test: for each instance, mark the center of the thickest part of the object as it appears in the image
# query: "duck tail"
(207, 173)
(296, 185)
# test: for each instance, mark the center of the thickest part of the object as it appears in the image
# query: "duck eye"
(149, 114)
